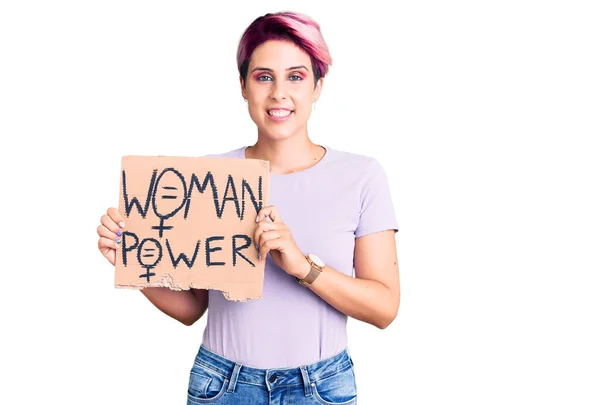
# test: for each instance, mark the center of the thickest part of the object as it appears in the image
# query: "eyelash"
(259, 77)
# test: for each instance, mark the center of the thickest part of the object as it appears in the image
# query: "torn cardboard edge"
(167, 281)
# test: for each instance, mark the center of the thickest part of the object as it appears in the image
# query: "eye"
(259, 78)
(297, 80)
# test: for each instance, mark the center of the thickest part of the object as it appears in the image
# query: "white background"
(484, 114)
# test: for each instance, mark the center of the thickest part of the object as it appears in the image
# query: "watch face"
(316, 259)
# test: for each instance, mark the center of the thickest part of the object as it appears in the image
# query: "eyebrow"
(271, 70)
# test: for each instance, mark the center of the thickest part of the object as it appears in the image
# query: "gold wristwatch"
(316, 268)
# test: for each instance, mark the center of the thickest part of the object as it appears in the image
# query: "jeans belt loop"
(306, 380)
(234, 377)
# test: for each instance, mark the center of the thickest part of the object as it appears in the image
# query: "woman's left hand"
(276, 239)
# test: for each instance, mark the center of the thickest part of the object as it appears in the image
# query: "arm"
(374, 295)
(186, 306)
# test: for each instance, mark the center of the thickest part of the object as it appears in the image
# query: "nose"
(278, 91)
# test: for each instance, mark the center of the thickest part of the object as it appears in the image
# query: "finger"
(106, 233)
(270, 226)
(107, 243)
(262, 227)
(113, 213)
(109, 223)
(267, 236)
(269, 212)
(266, 247)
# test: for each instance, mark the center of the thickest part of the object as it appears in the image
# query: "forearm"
(180, 305)
(366, 300)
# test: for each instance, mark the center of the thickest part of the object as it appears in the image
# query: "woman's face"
(280, 89)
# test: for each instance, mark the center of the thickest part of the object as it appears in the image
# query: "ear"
(244, 93)
(317, 90)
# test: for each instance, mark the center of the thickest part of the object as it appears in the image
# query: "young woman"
(330, 213)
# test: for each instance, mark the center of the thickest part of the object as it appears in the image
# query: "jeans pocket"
(338, 389)
(205, 385)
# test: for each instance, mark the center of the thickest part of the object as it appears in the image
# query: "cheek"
(256, 112)
(304, 105)
(255, 102)
(302, 98)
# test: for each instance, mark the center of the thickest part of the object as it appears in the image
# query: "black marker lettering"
(236, 250)
(257, 204)
(209, 250)
(149, 264)
(134, 201)
(125, 245)
(182, 256)
(170, 195)
(195, 182)
(230, 184)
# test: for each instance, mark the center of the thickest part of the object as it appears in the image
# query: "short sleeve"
(376, 206)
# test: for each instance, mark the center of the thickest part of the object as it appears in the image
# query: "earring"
(314, 105)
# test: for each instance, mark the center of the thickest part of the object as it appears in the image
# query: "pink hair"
(288, 26)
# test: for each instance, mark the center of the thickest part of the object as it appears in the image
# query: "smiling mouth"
(279, 113)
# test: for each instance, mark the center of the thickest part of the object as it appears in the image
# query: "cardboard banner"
(189, 223)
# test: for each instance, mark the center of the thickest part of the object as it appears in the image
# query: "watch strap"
(315, 271)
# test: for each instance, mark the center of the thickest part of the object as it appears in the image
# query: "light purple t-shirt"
(343, 197)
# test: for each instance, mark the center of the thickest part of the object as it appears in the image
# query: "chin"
(277, 133)
(277, 136)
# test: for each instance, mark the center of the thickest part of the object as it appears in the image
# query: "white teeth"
(279, 113)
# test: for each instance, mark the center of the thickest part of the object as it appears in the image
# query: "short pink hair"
(298, 28)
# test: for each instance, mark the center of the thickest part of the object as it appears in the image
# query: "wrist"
(315, 268)
(303, 269)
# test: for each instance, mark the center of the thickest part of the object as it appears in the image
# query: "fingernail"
(256, 246)
(119, 233)
(118, 240)
(257, 218)
(122, 224)
(259, 256)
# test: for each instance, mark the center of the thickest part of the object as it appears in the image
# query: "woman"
(330, 212)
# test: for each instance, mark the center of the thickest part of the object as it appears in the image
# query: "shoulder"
(354, 165)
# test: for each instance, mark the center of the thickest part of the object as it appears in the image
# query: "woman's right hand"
(110, 232)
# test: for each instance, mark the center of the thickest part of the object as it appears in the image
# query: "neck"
(286, 155)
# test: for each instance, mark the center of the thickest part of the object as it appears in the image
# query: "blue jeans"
(217, 380)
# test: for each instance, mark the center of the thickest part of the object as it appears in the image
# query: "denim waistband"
(274, 377)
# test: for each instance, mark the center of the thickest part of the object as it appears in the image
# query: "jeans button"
(273, 378)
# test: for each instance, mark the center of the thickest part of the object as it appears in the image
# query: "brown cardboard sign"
(189, 223)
